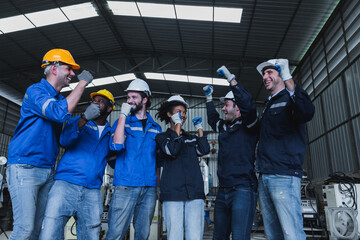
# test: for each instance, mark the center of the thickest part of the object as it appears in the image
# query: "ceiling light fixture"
(47, 17)
(103, 81)
(183, 12)
(15, 23)
(187, 78)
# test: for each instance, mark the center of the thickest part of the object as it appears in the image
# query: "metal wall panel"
(334, 102)
(9, 116)
(353, 87)
(316, 127)
(333, 85)
(351, 24)
(342, 156)
(356, 127)
(4, 144)
(319, 158)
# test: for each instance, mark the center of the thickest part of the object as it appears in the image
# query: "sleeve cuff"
(117, 146)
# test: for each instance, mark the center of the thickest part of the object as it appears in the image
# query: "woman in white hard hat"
(182, 186)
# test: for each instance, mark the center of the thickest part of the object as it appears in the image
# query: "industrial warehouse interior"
(176, 46)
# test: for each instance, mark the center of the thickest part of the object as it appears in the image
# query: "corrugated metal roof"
(112, 45)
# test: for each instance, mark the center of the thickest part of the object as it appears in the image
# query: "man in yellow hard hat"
(79, 174)
(34, 147)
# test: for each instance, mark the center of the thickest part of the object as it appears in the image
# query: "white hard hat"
(139, 85)
(229, 95)
(272, 63)
(178, 98)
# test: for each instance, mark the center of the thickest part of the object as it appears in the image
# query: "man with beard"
(236, 199)
(135, 177)
(34, 147)
(76, 190)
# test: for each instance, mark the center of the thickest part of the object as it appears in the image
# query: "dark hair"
(143, 95)
(277, 68)
(166, 107)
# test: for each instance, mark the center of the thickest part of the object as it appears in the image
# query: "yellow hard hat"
(104, 93)
(59, 55)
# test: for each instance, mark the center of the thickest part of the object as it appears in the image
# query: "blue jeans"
(234, 212)
(66, 200)
(129, 201)
(176, 213)
(280, 202)
(29, 187)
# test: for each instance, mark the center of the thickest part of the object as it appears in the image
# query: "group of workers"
(44, 198)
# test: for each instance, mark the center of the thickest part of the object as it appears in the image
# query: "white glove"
(197, 122)
(208, 90)
(125, 109)
(224, 72)
(176, 118)
(284, 68)
(92, 112)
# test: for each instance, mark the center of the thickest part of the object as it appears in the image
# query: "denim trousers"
(280, 202)
(184, 215)
(66, 200)
(29, 187)
(234, 212)
(128, 202)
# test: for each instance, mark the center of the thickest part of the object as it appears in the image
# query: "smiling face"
(272, 81)
(231, 111)
(104, 104)
(64, 74)
(136, 101)
(178, 109)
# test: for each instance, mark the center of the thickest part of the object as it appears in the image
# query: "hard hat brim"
(178, 98)
(73, 66)
(92, 95)
(261, 66)
(223, 99)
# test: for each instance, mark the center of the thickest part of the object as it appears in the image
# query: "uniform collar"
(237, 121)
(278, 94)
(49, 87)
(183, 132)
(133, 118)
(92, 123)
(272, 96)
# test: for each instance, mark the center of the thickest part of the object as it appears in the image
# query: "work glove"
(176, 118)
(208, 90)
(125, 109)
(86, 76)
(284, 68)
(224, 72)
(197, 122)
(92, 112)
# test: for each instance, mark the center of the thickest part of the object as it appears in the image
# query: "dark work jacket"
(282, 143)
(181, 178)
(237, 141)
